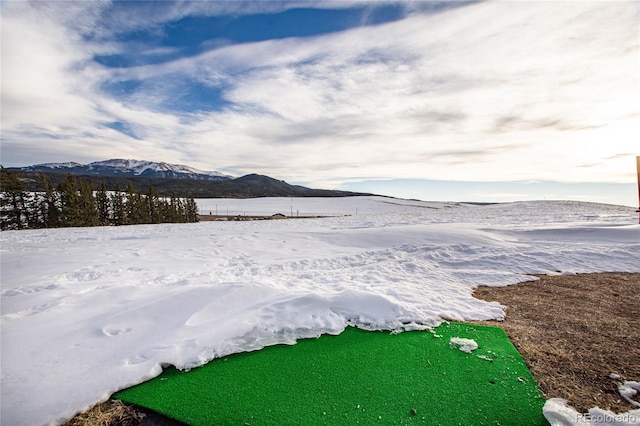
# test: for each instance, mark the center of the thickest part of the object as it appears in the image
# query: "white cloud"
(488, 91)
(512, 98)
(38, 63)
(52, 108)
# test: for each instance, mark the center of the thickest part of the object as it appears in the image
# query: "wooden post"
(638, 169)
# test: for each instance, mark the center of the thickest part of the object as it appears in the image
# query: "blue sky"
(436, 100)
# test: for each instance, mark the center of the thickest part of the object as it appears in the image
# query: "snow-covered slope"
(68, 165)
(145, 168)
(120, 167)
(88, 311)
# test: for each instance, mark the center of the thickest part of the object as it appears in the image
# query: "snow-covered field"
(88, 311)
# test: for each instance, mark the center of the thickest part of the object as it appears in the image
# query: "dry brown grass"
(110, 413)
(573, 332)
(117, 413)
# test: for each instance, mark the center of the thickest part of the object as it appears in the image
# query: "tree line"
(74, 202)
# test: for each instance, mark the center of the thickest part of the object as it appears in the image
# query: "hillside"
(249, 186)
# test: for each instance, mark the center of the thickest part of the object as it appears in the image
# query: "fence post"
(638, 169)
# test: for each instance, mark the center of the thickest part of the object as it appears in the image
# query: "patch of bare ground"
(117, 413)
(109, 413)
(573, 332)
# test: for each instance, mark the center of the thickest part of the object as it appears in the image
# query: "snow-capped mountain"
(129, 168)
(203, 184)
(68, 165)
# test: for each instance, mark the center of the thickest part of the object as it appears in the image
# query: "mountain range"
(169, 179)
(128, 168)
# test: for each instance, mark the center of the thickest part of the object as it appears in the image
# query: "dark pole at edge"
(638, 169)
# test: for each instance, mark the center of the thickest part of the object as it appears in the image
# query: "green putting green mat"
(357, 377)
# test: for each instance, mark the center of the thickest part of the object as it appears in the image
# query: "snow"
(629, 390)
(88, 311)
(464, 345)
(558, 413)
(140, 166)
(69, 165)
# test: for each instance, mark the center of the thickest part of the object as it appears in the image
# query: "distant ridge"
(128, 168)
(168, 179)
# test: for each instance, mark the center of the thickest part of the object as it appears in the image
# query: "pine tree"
(166, 209)
(154, 206)
(133, 217)
(70, 202)
(73, 203)
(181, 211)
(31, 211)
(103, 205)
(191, 210)
(174, 209)
(13, 200)
(139, 209)
(88, 212)
(49, 204)
(118, 207)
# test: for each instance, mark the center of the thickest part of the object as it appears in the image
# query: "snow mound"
(629, 391)
(558, 413)
(465, 345)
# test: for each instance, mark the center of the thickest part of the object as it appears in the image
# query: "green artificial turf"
(357, 377)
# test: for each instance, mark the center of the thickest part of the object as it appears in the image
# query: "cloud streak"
(485, 91)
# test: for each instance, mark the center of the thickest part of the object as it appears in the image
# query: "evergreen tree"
(136, 207)
(49, 204)
(13, 200)
(38, 210)
(130, 206)
(87, 208)
(31, 211)
(173, 209)
(103, 205)
(165, 211)
(154, 206)
(118, 207)
(39, 206)
(191, 210)
(181, 216)
(73, 203)
(70, 202)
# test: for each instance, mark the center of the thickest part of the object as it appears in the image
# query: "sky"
(435, 100)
